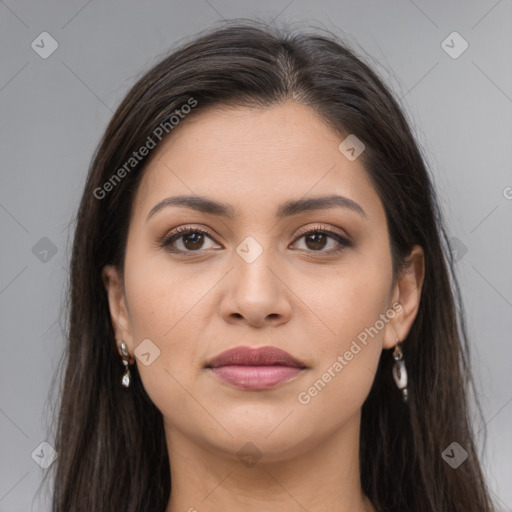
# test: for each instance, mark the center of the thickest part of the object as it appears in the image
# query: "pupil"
(317, 240)
(198, 239)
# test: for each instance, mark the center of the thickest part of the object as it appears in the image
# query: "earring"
(125, 381)
(399, 371)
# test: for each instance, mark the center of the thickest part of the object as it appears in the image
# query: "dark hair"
(111, 444)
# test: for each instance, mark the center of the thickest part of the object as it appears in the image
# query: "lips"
(247, 356)
(255, 369)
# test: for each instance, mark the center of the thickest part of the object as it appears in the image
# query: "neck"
(323, 476)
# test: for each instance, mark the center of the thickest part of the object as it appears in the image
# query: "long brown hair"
(110, 441)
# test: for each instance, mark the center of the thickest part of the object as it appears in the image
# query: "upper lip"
(261, 356)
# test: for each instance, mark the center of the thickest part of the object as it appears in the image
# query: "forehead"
(254, 159)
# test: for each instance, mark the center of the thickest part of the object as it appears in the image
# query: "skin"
(297, 295)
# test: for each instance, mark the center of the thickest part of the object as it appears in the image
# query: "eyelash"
(180, 232)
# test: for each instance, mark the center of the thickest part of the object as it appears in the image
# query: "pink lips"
(259, 368)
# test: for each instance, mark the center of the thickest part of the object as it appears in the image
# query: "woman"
(263, 308)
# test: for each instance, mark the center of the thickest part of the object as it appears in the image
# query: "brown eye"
(317, 239)
(192, 240)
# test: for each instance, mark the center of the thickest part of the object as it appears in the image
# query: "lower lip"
(256, 377)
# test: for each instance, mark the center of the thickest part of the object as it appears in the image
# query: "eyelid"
(323, 227)
(184, 230)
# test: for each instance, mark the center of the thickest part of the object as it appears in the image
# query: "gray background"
(54, 111)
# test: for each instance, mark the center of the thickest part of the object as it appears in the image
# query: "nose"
(256, 293)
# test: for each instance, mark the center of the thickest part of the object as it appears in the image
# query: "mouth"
(259, 368)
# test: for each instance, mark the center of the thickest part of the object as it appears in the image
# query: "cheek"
(161, 294)
(348, 300)
(353, 308)
(161, 306)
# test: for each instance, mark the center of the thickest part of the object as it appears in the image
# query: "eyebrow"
(287, 209)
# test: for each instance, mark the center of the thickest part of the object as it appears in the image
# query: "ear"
(119, 312)
(406, 294)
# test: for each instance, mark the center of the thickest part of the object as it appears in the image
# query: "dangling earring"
(125, 381)
(399, 371)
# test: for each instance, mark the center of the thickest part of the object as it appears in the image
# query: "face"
(316, 283)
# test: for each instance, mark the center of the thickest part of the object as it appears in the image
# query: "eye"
(316, 240)
(192, 239)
